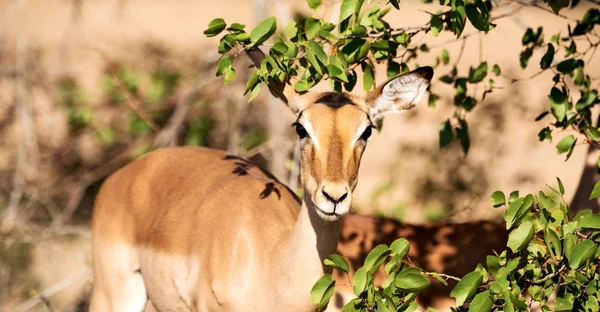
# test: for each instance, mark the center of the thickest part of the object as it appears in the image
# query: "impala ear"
(399, 94)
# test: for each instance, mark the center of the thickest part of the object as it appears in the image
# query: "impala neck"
(311, 241)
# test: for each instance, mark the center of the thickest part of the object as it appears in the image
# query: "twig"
(52, 290)
(135, 105)
(411, 29)
(27, 150)
(446, 276)
(168, 135)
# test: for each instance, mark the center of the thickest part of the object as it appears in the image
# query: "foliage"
(311, 50)
(549, 250)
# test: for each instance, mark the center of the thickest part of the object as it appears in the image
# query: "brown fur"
(195, 229)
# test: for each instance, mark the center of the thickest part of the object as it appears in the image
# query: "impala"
(453, 249)
(196, 229)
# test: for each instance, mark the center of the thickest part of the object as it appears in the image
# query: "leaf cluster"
(549, 252)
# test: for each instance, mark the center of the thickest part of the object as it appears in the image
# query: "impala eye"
(301, 131)
(366, 134)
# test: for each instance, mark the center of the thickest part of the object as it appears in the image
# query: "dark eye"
(366, 134)
(301, 131)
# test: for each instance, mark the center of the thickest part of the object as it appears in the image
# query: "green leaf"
(579, 77)
(291, 30)
(223, 65)
(445, 57)
(561, 188)
(400, 247)
(583, 214)
(318, 51)
(412, 282)
(236, 27)
(482, 302)
(520, 238)
(462, 133)
(546, 201)
(536, 292)
(558, 102)
(596, 191)
(240, 37)
(514, 195)
(586, 100)
(479, 73)
(337, 262)
(553, 242)
(567, 66)
(312, 27)
(355, 50)
(514, 211)
(565, 144)
(375, 258)
(582, 252)
(229, 75)
(215, 27)
(368, 76)
(263, 31)
(301, 86)
(457, 18)
(525, 56)
(562, 304)
(590, 221)
(480, 20)
(360, 281)
(498, 198)
(254, 93)
(508, 303)
(252, 81)
(436, 25)
(314, 4)
(547, 59)
(556, 5)
(393, 69)
(439, 278)
(496, 70)
(322, 291)
(347, 9)
(280, 48)
(226, 43)
(446, 134)
(466, 287)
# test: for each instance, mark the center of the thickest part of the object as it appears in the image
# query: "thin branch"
(134, 104)
(52, 290)
(446, 276)
(412, 30)
(27, 150)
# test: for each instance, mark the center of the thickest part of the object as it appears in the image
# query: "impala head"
(333, 129)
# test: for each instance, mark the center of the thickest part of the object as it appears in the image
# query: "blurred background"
(78, 79)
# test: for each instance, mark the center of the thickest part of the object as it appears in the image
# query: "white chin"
(328, 216)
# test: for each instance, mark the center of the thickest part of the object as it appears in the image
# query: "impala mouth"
(328, 216)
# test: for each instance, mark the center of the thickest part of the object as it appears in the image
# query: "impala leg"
(118, 283)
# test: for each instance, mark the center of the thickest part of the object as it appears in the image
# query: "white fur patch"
(309, 129)
(399, 95)
(359, 132)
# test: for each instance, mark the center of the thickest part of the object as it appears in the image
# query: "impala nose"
(335, 193)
